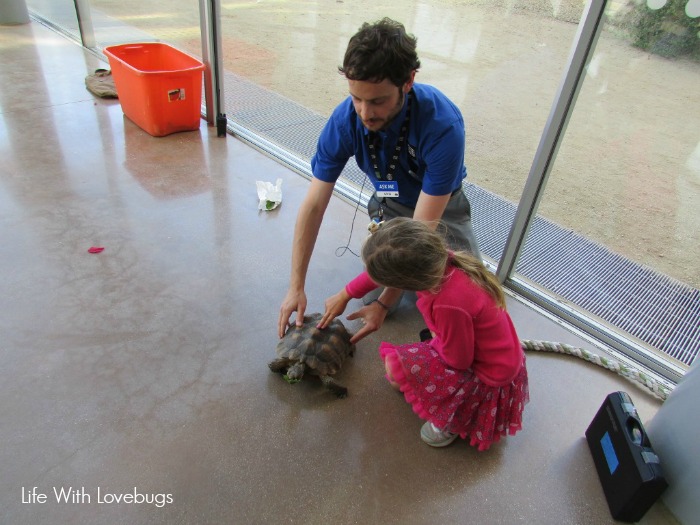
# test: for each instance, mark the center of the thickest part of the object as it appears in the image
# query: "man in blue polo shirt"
(409, 140)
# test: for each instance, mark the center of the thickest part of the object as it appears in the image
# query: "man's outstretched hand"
(295, 300)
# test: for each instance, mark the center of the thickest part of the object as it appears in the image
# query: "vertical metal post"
(206, 59)
(87, 32)
(210, 24)
(581, 52)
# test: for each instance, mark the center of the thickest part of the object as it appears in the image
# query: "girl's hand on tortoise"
(335, 305)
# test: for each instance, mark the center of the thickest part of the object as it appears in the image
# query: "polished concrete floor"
(140, 373)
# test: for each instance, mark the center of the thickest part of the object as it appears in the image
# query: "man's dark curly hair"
(379, 51)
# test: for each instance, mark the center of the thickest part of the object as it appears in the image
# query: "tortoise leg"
(335, 387)
(279, 365)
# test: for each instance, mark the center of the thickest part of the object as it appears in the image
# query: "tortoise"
(322, 352)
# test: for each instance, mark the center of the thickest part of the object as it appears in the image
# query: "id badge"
(387, 188)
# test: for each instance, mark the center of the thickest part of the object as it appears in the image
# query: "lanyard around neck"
(403, 137)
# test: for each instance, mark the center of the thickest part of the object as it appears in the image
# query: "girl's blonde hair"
(407, 254)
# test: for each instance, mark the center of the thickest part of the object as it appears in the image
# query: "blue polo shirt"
(433, 160)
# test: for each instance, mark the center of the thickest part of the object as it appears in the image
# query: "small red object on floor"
(96, 249)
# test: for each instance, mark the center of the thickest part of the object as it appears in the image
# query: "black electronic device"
(627, 466)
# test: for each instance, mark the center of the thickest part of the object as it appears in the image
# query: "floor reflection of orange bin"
(159, 87)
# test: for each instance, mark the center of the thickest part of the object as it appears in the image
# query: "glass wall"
(59, 13)
(628, 172)
(617, 224)
(627, 178)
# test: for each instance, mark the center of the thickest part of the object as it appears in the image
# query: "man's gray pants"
(456, 225)
(456, 222)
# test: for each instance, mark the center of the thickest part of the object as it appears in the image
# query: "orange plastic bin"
(159, 87)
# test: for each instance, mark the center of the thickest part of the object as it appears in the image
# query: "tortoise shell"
(320, 352)
(324, 351)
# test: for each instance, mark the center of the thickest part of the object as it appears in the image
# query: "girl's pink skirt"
(456, 400)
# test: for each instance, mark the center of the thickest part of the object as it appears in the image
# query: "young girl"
(469, 379)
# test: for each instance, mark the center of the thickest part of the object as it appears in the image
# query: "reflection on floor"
(142, 369)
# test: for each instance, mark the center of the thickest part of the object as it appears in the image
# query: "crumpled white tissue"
(270, 196)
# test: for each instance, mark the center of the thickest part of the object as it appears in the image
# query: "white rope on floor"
(626, 371)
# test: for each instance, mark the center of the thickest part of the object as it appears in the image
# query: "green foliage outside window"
(668, 31)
